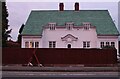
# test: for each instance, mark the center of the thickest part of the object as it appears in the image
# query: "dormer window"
(86, 28)
(52, 26)
(86, 25)
(69, 25)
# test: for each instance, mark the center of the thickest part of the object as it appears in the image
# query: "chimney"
(61, 7)
(76, 6)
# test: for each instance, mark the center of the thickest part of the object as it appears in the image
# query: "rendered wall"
(81, 34)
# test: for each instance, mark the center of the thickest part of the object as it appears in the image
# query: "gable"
(98, 18)
(69, 37)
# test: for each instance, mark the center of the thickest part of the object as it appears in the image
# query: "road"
(58, 74)
(16, 72)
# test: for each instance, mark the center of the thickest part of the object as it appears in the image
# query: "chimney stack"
(61, 6)
(76, 6)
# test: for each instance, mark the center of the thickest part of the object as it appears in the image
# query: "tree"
(0, 24)
(108, 47)
(20, 31)
(5, 31)
(119, 52)
(21, 28)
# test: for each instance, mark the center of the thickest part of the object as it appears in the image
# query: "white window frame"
(107, 43)
(86, 25)
(26, 44)
(113, 44)
(69, 25)
(52, 26)
(52, 44)
(102, 44)
(36, 44)
(31, 44)
(86, 44)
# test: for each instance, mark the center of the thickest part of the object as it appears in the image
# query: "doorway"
(69, 46)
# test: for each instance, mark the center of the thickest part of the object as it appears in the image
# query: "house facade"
(69, 29)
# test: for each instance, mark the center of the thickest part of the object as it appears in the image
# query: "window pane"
(26, 44)
(113, 44)
(86, 27)
(52, 44)
(36, 44)
(84, 44)
(31, 44)
(88, 44)
(52, 27)
(102, 44)
(107, 43)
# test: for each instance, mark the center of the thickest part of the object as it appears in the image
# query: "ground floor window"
(52, 44)
(36, 44)
(86, 44)
(113, 44)
(26, 44)
(31, 44)
(107, 44)
(102, 44)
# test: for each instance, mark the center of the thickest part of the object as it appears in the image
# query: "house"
(69, 29)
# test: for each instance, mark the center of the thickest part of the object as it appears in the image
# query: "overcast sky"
(19, 11)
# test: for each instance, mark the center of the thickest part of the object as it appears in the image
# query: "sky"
(19, 11)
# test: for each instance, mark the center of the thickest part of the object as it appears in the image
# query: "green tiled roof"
(101, 19)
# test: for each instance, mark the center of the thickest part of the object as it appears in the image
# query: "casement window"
(86, 28)
(86, 25)
(113, 44)
(107, 43)
(31, 45)
(52, 44)
(101, 44)
(69, 28)
(36, 44)
(86, 44)
(52, 26)
(26, 44)
(69, 25)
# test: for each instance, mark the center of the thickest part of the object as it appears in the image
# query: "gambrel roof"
(101, 19)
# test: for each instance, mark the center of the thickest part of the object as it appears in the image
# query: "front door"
(69, 46)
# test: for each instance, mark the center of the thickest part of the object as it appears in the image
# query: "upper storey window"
(86, 25)
(52, 26)
(69, 25)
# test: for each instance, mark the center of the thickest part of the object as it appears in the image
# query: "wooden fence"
(58, 56)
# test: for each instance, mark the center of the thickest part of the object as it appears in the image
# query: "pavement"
(20, 72)
(61, 69)
(59, 74)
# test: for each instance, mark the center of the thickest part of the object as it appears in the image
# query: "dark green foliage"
(108, 47)
(5, 31)
(20, 31)
(21, 28)
(119, 48)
